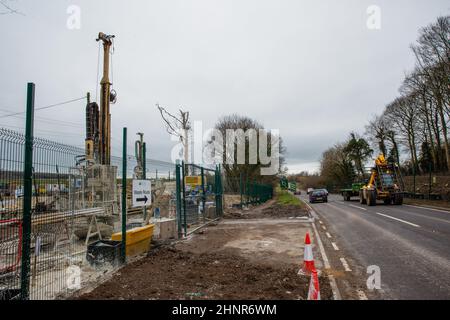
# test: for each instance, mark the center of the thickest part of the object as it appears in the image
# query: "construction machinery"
(353, 191)
(98, 176)
(385, 183)
(139, 154)
(98, 119)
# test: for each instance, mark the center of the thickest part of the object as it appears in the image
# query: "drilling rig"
(98, 174)
(98, 119)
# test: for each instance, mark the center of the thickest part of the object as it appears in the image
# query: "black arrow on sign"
(142, 199)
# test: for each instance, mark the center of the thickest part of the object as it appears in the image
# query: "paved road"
(411, 245)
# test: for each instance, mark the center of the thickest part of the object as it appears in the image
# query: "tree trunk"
(430, 135)
(444, 131)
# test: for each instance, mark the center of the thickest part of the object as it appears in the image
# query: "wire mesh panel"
(161, 175)
(11, 166)
(72, 206)
(201, 194)
(241, 191)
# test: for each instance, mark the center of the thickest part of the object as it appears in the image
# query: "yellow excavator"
(385, 183)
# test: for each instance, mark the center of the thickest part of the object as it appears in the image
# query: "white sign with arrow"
(142, 193)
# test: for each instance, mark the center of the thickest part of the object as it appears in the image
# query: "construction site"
(64, 211)
(214, 158)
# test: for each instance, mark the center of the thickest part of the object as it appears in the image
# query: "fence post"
(247, 190)
(203, 193)
(144, 175)
(219, 194)
(183, 189)
(240, 187)
(144, 161)
(124, 197)
(221, 191)
(217, 190)
(27, 194)
(178, 196)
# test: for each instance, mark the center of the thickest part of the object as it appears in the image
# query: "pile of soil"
(169, 273)
(278, 210)
(270, 209)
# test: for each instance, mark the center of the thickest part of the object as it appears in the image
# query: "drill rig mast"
(98, 119)
(105, 99)
(99, 177)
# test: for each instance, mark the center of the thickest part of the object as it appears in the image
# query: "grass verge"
(286, 198)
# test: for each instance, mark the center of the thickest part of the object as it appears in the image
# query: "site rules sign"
(142, 193)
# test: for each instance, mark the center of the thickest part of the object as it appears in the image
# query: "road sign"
(283, 183)
(193, 181)
(142, 193)
(292, 186)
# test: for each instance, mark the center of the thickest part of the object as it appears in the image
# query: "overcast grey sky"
(309, 68)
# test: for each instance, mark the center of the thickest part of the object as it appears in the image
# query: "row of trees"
(413, 129)
(415, 125)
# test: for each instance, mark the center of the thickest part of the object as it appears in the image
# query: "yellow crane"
(385, 183)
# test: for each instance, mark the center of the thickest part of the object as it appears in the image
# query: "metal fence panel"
(200, 191)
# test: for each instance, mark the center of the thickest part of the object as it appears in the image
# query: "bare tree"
(178, 127)
(377, 133)
(419, 118)
(7, 9)
(249, 170)
(432, 53)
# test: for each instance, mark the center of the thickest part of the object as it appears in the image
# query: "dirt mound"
(168, 273)
(268, 210)
(278, 210)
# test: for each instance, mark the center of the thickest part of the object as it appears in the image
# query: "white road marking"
(324, 228)
(334, 288)
(361, 295)
(358, 207)
(335, 246)
(345, 265)
(397, 219)
(328, 235)
(320, 221)
(427, 208)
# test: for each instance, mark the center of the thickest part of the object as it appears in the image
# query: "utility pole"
(105, 115)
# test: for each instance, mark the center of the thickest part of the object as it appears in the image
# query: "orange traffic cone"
(314, 290)
(308, 259)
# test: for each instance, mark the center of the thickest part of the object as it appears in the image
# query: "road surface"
(411, 245)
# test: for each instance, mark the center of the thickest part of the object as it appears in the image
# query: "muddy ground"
(234, 259)
(270, 209)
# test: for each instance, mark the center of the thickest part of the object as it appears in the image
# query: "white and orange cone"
(314, 290)
(308, 259)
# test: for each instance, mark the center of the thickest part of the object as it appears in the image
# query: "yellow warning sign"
(193, 180)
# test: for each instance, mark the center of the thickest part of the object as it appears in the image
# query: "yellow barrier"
(138, 239)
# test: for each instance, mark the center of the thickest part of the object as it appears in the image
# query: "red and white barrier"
(314, 290)
(308, 259)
